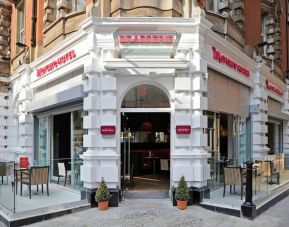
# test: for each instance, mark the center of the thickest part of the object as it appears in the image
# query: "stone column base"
(196, 195)
(89, 195)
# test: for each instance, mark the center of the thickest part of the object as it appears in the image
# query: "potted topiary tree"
(102, 196)
(182, 194)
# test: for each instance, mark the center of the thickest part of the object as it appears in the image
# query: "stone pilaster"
(4, 115)
(259, 100)
(286, 123)
(101, 160)
(189, 154)
(25, 118)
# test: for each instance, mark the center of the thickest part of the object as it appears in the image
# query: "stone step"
(146, 194)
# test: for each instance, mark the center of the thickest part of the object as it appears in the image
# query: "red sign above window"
(183, 129)
(146, 38)
(230, 63)
(107, 130)
(273, 88)
(56, 63)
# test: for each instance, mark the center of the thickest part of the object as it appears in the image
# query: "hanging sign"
(107, 130)
(217, 55)
(273, 88)
(146, 38)
(183, 129)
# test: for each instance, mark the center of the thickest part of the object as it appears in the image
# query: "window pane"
(145, 96)
(78, 5)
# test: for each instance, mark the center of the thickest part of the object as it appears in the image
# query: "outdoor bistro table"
(18, 174)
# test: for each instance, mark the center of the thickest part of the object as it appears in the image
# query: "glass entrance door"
(42, 154)
(126, 175)
(77, 147)
(214, 149)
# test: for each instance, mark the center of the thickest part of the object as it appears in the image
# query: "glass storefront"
(77, 147)
(42, 157)
(59, 139)
(228, 144)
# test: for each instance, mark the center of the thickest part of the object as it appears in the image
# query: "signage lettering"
(183, 129)
(217, 55)
(56, 63)
(273, 88)
(146, 38)
(107, 130)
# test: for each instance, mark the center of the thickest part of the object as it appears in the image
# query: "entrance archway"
(145, 140)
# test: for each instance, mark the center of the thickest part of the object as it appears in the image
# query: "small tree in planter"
(102, 196)
(182, 194)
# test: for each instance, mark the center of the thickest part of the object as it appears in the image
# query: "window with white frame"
(78, 5)
(264, 30)
(20, 37)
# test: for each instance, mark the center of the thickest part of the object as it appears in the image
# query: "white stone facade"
(106, 79)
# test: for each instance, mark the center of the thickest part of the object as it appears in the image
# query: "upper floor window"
(78, 5)
(264, 30)
(211, 5)
(217, 5)
(20, 14)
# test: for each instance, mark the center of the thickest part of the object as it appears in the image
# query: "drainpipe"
(34, 19)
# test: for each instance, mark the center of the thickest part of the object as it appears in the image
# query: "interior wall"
(61, 139)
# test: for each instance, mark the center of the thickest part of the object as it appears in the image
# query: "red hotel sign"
(107, 130)
(183, 129)
(56, 63)
(146, 38)
(273, 88)
(232, 64)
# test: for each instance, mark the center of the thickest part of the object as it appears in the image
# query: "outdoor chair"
(270, 171)
(17, 176)
(233, 176)
(257, 174)
(36, 176)
(62, 172)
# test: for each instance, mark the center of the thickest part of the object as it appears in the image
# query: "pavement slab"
(160, 212)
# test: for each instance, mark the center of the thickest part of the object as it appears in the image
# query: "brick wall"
(252, 23)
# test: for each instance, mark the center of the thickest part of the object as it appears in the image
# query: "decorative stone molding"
(49, 12)
(224, 7)
(63, 8)
(152, 8)
(5, 23)
(238, 12)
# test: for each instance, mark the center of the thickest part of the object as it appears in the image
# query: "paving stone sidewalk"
(160, 212)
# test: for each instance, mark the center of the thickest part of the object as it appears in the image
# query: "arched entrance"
(145, 140)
